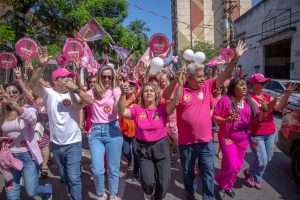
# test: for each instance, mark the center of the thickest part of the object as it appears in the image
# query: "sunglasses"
(106, 77)
(14, 91)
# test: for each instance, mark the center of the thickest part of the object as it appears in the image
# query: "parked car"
(289, 140)
(276, 86)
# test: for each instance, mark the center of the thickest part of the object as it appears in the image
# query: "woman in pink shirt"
(17, 122)
(106, 137)
(233, 115)
(152, 142)
(263, 130)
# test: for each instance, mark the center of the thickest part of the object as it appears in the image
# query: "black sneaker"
(230, 193)
(221, 194)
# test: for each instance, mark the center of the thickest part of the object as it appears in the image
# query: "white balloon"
(199, 57)
(156, 65)
(188, 54)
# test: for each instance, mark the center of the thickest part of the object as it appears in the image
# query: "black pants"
(155, 167)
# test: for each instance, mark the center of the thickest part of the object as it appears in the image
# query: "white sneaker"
(147, 196)
(103, 197)
(114, 197)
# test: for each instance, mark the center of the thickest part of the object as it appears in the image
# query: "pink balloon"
(27, 48)
(73, 50)
(8, 60)
(227, 53)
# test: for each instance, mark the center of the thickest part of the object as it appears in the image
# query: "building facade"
(205, 20)
(271, 30)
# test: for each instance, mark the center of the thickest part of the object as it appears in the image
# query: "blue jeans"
(262, 150)
(205, 153)
(68, 159)
(31, 180)
(106, 138)
(129, 151)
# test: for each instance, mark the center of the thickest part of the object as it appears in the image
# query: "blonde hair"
(107, 67)
(156, 91)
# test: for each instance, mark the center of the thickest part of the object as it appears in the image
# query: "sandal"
(44, 172)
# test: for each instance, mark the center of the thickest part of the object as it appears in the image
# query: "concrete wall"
(207, 21)
(249, 26)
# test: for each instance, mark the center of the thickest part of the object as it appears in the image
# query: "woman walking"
(152, 141)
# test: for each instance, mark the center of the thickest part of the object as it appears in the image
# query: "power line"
(165, 17)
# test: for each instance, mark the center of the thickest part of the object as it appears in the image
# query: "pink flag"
(146, 57)
(218, 60)
(91, 31)
(87, 60)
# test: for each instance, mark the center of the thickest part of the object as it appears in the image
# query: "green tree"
(207, 48)
(50, 21)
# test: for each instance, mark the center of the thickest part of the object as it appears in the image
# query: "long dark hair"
(230, 92)
(233, 83)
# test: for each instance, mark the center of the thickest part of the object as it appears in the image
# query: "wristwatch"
(77, 90)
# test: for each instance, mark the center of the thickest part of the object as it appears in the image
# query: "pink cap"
(258, 78)
(61, 72)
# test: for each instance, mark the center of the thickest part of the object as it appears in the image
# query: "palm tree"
(139, 27)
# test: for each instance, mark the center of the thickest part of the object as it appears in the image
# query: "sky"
(156, 14)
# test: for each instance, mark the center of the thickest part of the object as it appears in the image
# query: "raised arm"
(239, 51)
(83, 100)
(283, 100)
(174, 102)
(124, 111)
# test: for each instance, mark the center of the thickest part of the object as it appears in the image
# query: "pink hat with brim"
(258, 78)
(61, 73)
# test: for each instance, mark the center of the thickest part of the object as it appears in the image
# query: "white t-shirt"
(63, 117)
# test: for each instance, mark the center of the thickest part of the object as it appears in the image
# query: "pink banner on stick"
(27, 48)
(7, 60)
(72, 50)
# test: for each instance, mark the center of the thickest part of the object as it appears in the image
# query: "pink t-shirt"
(239, 129)
(105, 109)
(266, 126)
(193, 114)
(150, 122)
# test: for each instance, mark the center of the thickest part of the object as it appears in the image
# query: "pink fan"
(7, 60)
(27, 48)
(73, 50)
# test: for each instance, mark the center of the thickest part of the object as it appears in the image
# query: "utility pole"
(229, 7)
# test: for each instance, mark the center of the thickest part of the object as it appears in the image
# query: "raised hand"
(240, 49)
(70, 85)
(18, 73)
(291, 88)
(28, 65)
(180, 77)
(124, 88)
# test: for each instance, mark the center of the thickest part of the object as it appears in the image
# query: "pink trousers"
(233, 152)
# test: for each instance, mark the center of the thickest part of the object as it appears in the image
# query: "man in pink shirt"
(195, 123)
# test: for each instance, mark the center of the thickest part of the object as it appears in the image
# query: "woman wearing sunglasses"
(105, 137)
(17, 121)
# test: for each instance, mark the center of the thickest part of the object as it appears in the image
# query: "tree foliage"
(207, 48)
(50, 21)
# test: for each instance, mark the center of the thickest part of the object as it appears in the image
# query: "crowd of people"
(142, 118)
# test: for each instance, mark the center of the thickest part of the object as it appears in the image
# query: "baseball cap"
(61, 73)
(258, 78)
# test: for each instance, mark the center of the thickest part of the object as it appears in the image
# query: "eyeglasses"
(106, 77)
